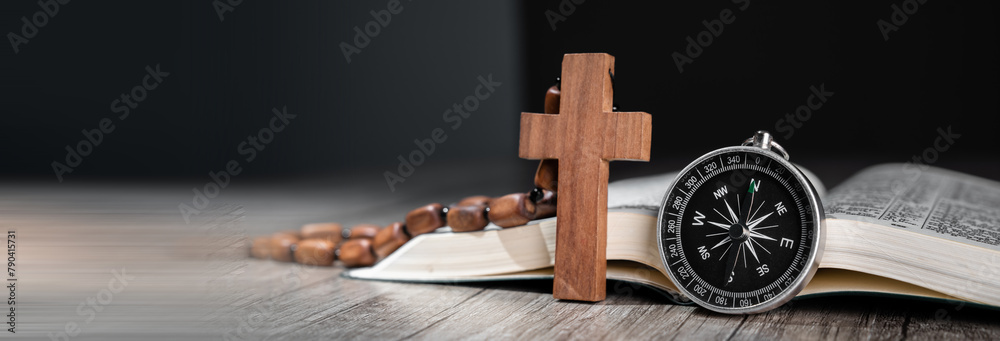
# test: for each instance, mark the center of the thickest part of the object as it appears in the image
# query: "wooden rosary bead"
(356, 252)
(362, 231)
(424, 220)
(545, 203)
(328, 231)
(552, 100)
(281, 245)
(474, 200)
(389, 239)
(317, 251)
(512, 210)
(261, 248)
(547, 175)
(464, 218)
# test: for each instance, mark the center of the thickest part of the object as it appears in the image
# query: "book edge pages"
(827, 282)
(653, 276)
(862, 247)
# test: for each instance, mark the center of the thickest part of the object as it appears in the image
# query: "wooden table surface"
(116, 261)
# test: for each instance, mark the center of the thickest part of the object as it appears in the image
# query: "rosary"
(321, 244)
(577, 136)
(586, 134)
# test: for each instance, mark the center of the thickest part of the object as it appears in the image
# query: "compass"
(741, 229)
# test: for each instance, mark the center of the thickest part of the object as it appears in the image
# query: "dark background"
(938, 70)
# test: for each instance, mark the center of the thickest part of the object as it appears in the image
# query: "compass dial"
(740, 230)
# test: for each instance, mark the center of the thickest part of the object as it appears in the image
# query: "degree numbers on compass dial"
(737, 229)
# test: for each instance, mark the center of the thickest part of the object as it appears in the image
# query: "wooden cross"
(584, 136)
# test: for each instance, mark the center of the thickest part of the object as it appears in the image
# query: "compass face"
(740, 230)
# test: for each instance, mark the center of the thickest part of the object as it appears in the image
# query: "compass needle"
(726, 251)
(726, 240)
(748, 203)
(731, 266)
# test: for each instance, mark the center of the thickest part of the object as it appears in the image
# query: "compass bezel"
(815, 250)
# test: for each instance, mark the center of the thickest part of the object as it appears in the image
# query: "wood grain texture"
(195, 281)
(584, 136)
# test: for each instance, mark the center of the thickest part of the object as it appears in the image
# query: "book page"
(922, 199)
(639, 193)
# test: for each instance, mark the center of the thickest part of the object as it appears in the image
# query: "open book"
(891, 230)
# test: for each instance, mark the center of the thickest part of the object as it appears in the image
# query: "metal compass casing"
(741, 229)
